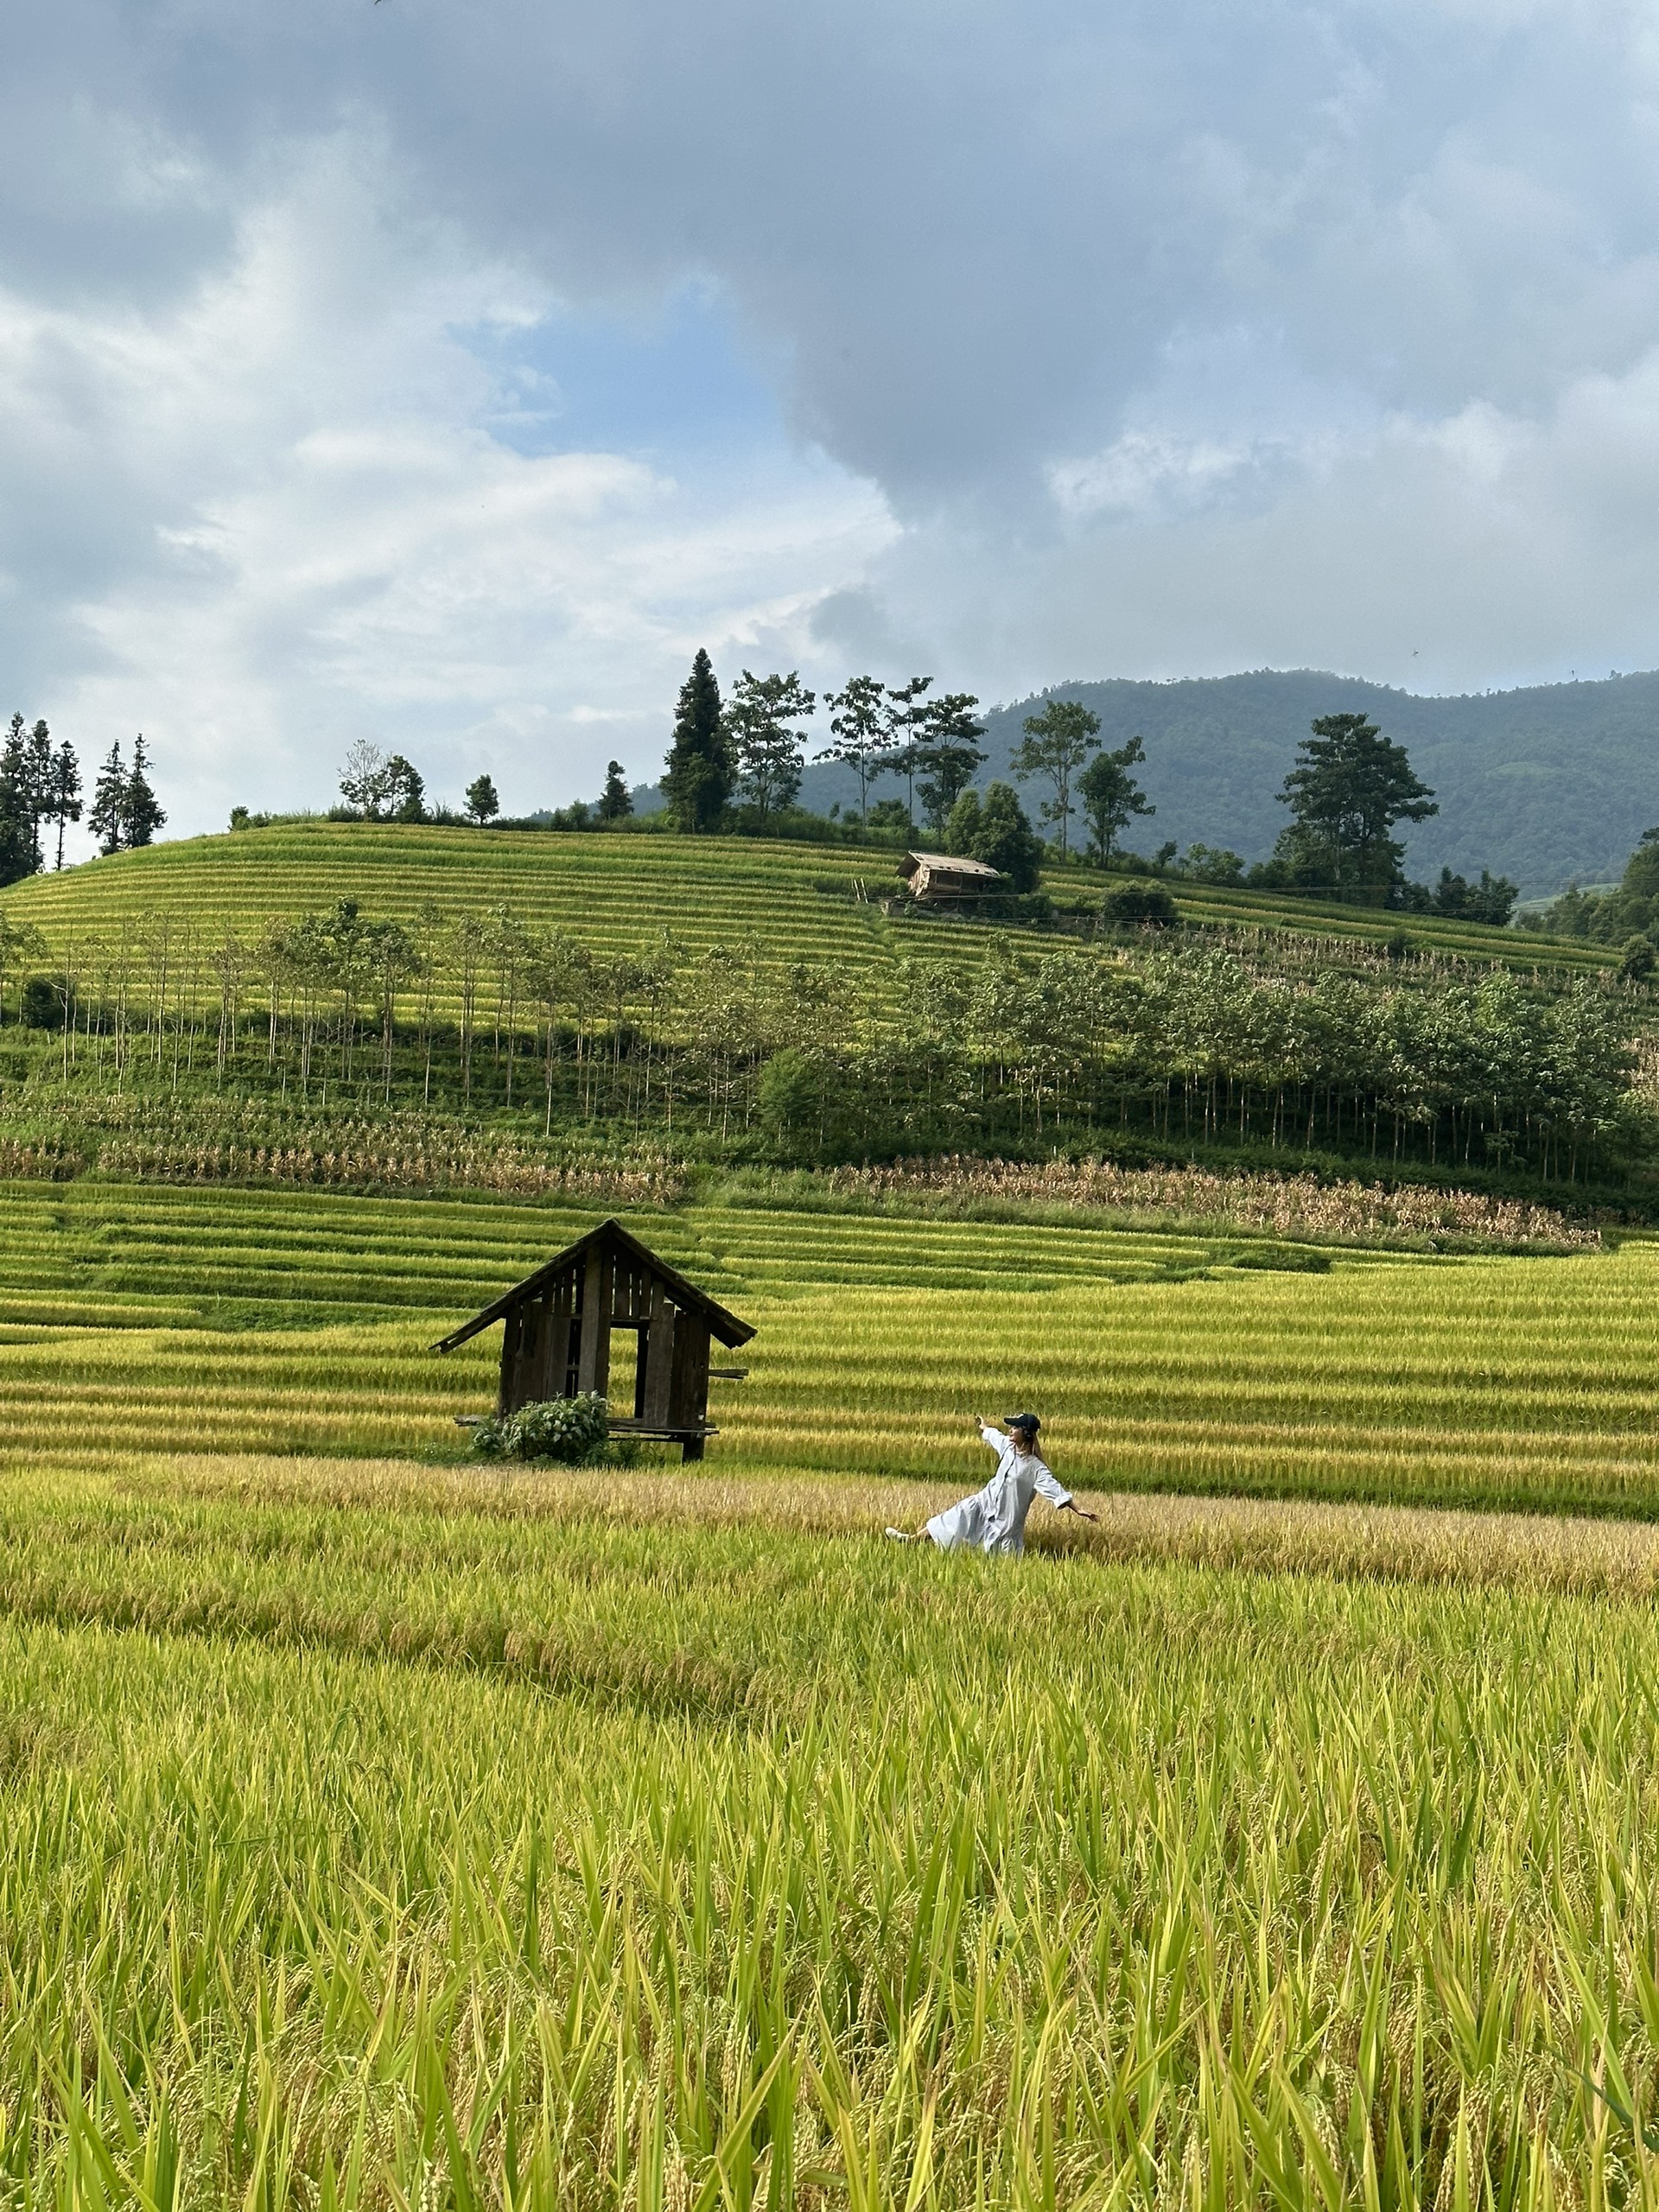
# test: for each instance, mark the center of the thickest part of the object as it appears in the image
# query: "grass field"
(618, 893)
(384, 1829)
(363, 1848)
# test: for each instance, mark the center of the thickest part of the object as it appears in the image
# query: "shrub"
(43, 1003)
(571, 1430)
(1139, 906)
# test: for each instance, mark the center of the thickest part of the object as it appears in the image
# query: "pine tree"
(1351, 784)
(107, 819)
(616, 800)
(65, 791)
(698, 780)
(19, 810)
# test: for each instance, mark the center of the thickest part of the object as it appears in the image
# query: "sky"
(446, 374)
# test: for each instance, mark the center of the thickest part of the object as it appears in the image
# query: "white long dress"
(994, 1519)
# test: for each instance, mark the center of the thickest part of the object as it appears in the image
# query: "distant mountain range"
(1547, 786)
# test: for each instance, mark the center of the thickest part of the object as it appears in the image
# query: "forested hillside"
(1546, 785)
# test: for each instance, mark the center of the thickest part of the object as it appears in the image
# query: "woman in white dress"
(994, 1519)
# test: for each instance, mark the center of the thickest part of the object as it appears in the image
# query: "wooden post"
(511, 1335)
(689, 1393)
(595, 1372)
(657, 1359)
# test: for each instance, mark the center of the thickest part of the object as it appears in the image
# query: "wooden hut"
(936, 878)
(557, 1337)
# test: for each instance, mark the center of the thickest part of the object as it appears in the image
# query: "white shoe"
(899, 1536)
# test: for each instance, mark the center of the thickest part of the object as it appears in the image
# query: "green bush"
(571, 1430)
(1139, 905)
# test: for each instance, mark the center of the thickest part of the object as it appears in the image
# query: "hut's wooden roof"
(949, 864)
(722, 1324)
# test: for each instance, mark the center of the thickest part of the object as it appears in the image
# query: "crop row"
(1495, 1384)
(816, 1879)
(291, 1256)
(618, 892)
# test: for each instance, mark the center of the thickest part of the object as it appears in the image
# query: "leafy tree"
(1638, 964)
(65, 791)
(1141, 906)
(765, 746)
(1492, 899)
(698, 778)
(1110, 796)
(482, 804)
(107, 818)
(141, 814)
(1055, 746)
(1213, 864)
(616, 800)
(1351, 785)
(995, 829)
(861, 724)
(948, 753)
(904, 712)
(405, 789)
(366, 780)
(889, 814)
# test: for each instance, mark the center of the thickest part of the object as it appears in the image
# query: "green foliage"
(1349, 788)
(1110, 796)
(1056, 744)
(616, 800)
(1139, 905)
(483, 804)
(42, 1006)
(570, 1431)
(948, 753)
(1205, 864)
(700, 771)
(763, 745)
(861, 726)
(995, 829)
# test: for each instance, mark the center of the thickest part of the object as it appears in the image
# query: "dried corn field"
(382, 1829)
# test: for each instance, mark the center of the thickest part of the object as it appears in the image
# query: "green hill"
(619, 892)
(1546, 785)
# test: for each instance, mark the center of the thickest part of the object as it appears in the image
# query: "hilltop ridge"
(1547, 785)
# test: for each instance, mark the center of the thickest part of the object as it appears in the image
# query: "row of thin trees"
(485, 1012)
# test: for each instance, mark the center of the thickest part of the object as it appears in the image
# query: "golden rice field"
(167, 1319)
(379, 1828)
(618, 893)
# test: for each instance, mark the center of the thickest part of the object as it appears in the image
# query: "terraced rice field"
(392, 1830)
(618, 893)
(167, 1319)
(367, 1846)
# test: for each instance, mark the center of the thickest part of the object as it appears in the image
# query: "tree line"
(41, 791)
(1063, 1043)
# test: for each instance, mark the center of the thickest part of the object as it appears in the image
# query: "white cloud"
(1155, 336)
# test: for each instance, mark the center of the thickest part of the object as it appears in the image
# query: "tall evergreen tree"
(698, 777)
(1349, 788)
(616, 800)
(65, 791)
(141, 814)
(19, 802)
(107, 819)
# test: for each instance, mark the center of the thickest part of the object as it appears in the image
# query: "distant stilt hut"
(942, 880)
(557, 1337)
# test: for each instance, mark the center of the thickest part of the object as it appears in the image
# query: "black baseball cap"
(1023, 1420)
